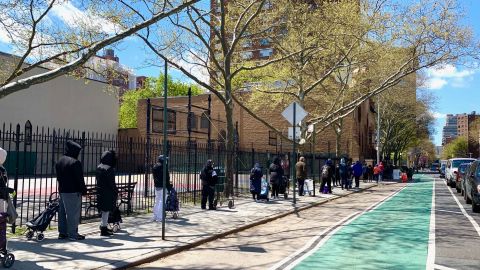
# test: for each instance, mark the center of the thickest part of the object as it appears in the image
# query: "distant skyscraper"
(450, 130)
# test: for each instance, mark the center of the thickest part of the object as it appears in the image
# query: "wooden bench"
(125, 195)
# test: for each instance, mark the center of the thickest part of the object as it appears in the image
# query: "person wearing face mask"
(71, 187)
(107, 191)
(209, 180)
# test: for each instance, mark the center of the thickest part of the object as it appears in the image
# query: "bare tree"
(207, 45)
(377, 45)
(57, 35)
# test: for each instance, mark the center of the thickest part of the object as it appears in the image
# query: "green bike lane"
(393, 235)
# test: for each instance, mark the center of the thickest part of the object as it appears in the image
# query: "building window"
(272, 138)
(264, 42)
(193, 121)
(247, 55)
(157, 120)
(204, 123)
(266, 53)
(247, 44)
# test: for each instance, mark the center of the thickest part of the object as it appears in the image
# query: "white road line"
(310, 243)
(448, 211)
(431, 235)
(441, 267)
(339, 225)
(474, 223)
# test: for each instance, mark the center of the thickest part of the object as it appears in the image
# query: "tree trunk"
(230, 149)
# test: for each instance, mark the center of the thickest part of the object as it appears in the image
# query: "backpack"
(325, 171)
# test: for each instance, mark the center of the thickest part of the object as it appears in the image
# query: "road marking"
(311, 242)
(448, 211)
(474, 223)
(431, 235)
(335, 228)
(441, 267)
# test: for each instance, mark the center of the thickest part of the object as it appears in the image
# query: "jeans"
(301, 186)
(357, 181)
(158, 208)
(69, 214)
(275, 190)
(104, 220)
(208, 192)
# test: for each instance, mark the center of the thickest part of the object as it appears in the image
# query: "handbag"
(11, 211)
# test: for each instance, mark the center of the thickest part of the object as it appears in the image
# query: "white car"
(452, 168)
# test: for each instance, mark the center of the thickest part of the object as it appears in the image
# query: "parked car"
(472, 186)
(434, 167)
(441, 170)
(462, 169)
(452, 168)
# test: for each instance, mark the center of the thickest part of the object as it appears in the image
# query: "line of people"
(343, 175)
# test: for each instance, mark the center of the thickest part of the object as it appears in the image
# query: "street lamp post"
(378, 130)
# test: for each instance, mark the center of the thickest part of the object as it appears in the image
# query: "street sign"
(300, 113)
(298, 133)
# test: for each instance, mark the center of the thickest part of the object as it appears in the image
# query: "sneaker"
(79, 237)
(62, 236)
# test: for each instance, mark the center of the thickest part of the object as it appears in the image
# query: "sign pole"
(165, 149)
(294, 153)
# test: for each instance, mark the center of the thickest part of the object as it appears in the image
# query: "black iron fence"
(33, 152)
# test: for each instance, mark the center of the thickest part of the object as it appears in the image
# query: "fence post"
(195, 170)
(147, 148)
(130, 159)
(17, 165)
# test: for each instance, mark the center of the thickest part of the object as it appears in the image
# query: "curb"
(163, 254)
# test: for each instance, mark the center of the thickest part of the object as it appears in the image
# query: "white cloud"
(74, 17)
(439, 115)
(439, 77)
(194, 66)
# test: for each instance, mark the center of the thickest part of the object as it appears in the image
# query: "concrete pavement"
(140, 240)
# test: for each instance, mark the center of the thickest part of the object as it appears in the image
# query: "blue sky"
(456, 88)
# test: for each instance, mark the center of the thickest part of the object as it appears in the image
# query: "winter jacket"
(357, 169)
(208, 176)
(69, 170)
(301, 170)
(107, 191)
(4, 189)
(330, 171)
(276, 174)
(256, 179)
(343, 171)
(158, 174)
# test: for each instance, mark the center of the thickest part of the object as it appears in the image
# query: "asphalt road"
(417, 226)
(457, 241)
(264, 247)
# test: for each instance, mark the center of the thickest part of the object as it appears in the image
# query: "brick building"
(356, 141)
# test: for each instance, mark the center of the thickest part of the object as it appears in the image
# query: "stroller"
(171, 203)
(114, 220)
(40, 223)
(264, 188)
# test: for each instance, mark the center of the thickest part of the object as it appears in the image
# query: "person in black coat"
(158, 181)
(327, 173)
(256, 180)
(209, 180)
(276, 176)
(71, 187)
(107, 191)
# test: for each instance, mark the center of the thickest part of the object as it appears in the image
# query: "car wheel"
(475, 207)
(467, 199)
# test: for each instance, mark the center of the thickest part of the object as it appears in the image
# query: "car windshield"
(457, 162)
(462, 168)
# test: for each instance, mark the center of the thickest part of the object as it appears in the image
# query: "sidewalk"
(140, 239)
